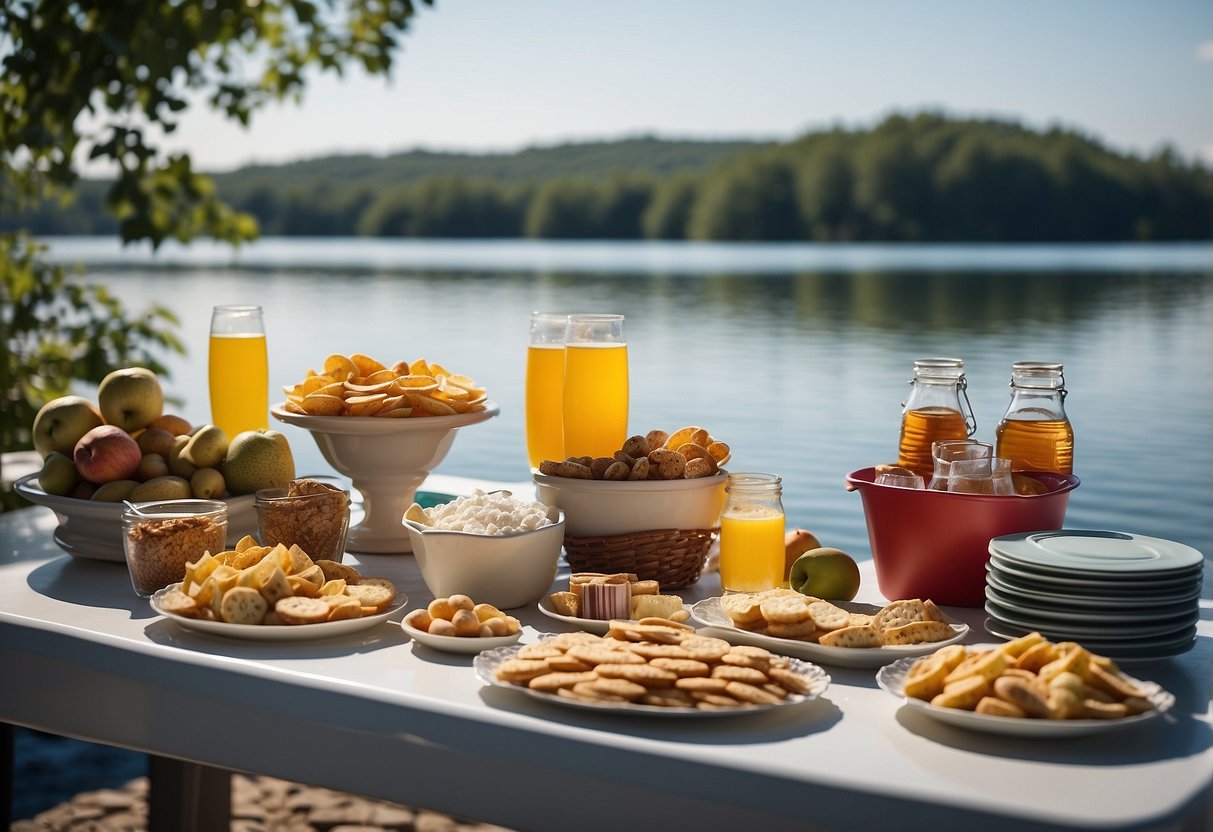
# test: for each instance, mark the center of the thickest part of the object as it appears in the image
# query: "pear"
(161, 488)
(207, 484)
(206, 448)
(178, 466)
(114, 492)
(258, 459)
(58, 475)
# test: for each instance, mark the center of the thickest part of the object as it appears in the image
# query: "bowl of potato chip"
(385, 428)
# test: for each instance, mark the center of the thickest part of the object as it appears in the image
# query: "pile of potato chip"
(254, 584)
(687, 453)
(358, 385)
(1027, 678)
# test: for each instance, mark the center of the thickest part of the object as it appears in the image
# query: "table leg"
(7, 772)
(187, 797)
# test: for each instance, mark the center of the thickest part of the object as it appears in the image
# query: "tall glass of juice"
(595, 385)
(752, 553)
(239, 370)
(545, 387)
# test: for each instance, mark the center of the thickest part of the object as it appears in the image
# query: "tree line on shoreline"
(922, 178)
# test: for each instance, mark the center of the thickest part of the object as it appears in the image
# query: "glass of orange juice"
(239, 370)
(595, 397)
(752, 533)
(545, 387)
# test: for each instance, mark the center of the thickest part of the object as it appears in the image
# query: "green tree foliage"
(107, 82)
(669, 210)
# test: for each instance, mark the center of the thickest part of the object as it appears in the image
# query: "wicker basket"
(672, 557)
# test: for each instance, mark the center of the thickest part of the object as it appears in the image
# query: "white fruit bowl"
(93, 529)
(387, 459)
(603, 508)
(505, 570)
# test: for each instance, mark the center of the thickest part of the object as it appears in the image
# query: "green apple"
(130, 399)
(258, 459)
(58, 475)
(61, 422)
(825, 573)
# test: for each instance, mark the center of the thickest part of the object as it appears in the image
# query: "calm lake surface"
(796, 355)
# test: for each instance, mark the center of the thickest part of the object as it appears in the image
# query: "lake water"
(796, 355)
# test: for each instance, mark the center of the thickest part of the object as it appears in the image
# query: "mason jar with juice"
(933, 412)
(1035, 433)
(752, 552)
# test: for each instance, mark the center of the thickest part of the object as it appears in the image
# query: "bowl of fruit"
(98, 456)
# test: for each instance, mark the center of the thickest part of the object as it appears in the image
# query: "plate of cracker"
(597, 626)
(652, 670)
(320, 628)
(1027, 687)
(845, 634)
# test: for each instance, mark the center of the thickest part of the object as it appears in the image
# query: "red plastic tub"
(935, 544)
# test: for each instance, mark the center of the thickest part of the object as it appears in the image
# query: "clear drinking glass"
(545, 387)
(239, 370)
(945, 452)
(595, 399)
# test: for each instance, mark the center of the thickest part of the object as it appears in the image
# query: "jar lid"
(1038, 374)
(946, 368)
(753, 481)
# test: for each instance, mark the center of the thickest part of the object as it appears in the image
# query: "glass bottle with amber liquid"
(933, 411)
(1035, 433)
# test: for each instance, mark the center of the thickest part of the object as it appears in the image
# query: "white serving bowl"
(93, 529)
(603, 508)
(387, 459)
(507, 570)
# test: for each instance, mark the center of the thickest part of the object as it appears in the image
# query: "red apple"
(107, 453)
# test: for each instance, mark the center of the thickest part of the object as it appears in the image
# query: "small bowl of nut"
(161, 537)
(494, 547)
(457, 624)
(656, 481)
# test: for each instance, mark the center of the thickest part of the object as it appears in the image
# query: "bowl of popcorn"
(493, 546)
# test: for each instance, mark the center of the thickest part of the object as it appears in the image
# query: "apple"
(130, 399)
(172, 423)
(107, 453)
(825, 573)
(156, 441)
(61, 422)
(258, 459)
(58, 475)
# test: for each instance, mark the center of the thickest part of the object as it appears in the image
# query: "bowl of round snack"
(493, 547)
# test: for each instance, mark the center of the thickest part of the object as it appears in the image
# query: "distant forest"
(909, 179)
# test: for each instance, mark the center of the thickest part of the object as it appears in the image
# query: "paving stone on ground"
(259, 804)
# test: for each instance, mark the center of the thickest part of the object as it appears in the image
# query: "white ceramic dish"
(507, 571)
(280, 632)
(457, 644)
(486, 664)
(595, 508)
(387, 459)
(1132, 651)
(597, 626)
(92, 529)
(717, 623)
(1097, 553)
(891, 679)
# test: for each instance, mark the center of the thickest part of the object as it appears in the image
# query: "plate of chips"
(358, 385)
(681, 674)
(717, 622)
(1153, 701)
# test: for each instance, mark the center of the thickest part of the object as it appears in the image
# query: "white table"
(82, 656)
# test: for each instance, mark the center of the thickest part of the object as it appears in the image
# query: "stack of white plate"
(1125, 596)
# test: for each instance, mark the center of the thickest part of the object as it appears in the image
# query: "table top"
(375, 713)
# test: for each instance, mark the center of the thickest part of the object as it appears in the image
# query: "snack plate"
(277, 632)
(891, 679)
(717, 623)
(487, 663)
(458, 644)
(597, 626)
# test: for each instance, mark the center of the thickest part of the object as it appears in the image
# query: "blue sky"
(493, 75)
